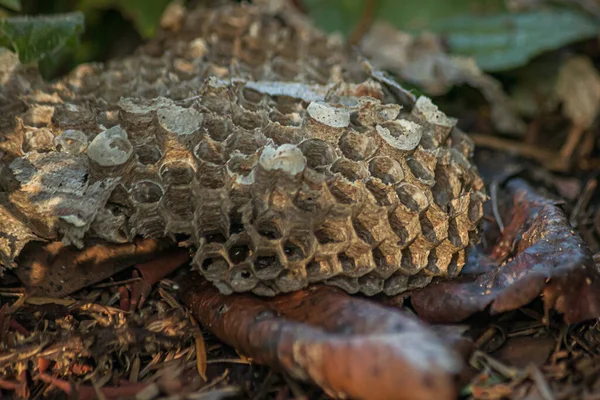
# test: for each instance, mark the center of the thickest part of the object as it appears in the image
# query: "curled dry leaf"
(56, 270)
(348, 346)
(538, 254)
(423, 61)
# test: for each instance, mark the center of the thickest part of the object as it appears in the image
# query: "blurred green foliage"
(52, 32)
(484, 29)
(498, 39)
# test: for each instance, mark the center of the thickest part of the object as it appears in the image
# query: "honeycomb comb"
(258, 139)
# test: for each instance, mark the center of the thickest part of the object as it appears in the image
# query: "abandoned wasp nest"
(257, 141)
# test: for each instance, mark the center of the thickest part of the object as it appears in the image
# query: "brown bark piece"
(348, 346)
(538, 254)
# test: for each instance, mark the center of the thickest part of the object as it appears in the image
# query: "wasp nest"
(256, 140)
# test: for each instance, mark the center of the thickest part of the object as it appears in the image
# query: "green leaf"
(335, 15)
(506, 41)
(414, 15)
(14, 5)
(36, 38)
(483, 29)
(145, 14)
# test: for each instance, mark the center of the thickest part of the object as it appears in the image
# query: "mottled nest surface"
(273, 152)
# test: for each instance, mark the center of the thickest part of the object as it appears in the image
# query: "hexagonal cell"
(372, 112)
(311, 201)
(211, 151)
(218, 128)
(419, 280)
(281, 134)
(250, 98)
(385, 195)
(291, 280)
(457, 263)
(213, 266)
(269, 229)
(119, 202)
(318, 271)
(344, 191)
(245, 141)
(176, 203)
(458, 232)
(447, 186)
(412, 197)
(148, 154)
(434, 226)
(351, 170)
(388, 258)
(239, 251)
(211, 215)
(147, 223)
(287, 121)
(405, 224)
(388, 170)
(214, 96)
(370, 227)
(71, 141)
(332, 232)
(395, 284)
(214, 237)
(299, 246)
(475, 207)
(318, 152)
(241, 278)
(211, 176)
(242, 167)
(346, 283)
(267, 265)
(287, 104)
(249, 120)
(177, 172)
(439, 259)
(371, 284)
(414, 259)
(356, 146)
(420, 171)
(146, 192)
(458, 206)
(179, 121)
(356, 265)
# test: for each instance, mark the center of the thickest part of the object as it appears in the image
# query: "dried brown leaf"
(55, 270)
(348, 346)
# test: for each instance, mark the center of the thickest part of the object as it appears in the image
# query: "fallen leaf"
(538, 254)
(522, 351)
(55, 270)
(348, 346)
(578, 87)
